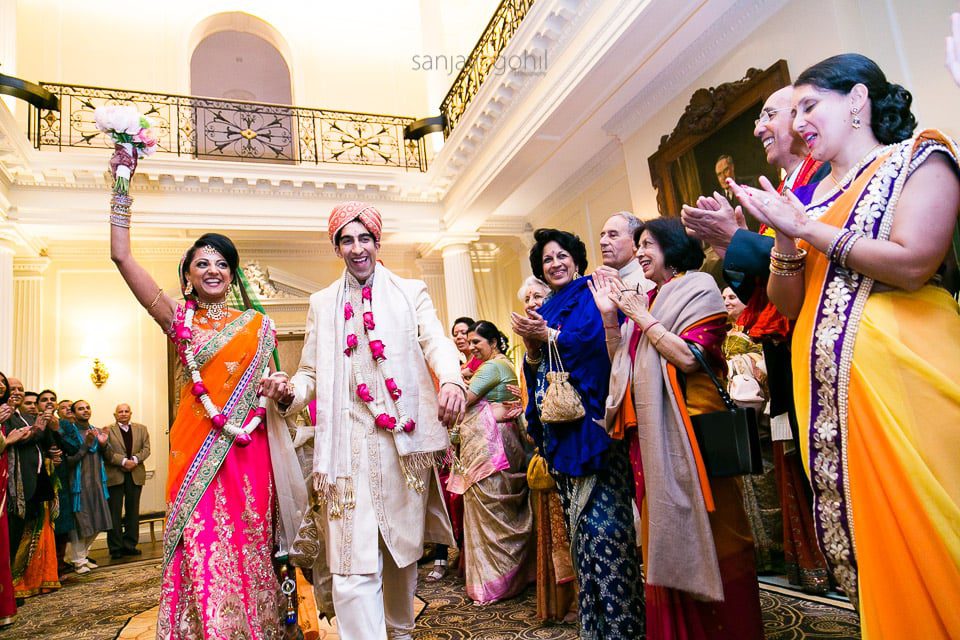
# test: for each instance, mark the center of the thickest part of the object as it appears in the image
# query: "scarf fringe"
(340, 494)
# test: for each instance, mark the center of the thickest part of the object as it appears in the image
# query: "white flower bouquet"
(129, 130)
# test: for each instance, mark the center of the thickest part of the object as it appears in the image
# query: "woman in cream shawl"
(697, 547)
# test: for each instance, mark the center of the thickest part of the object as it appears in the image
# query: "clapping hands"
(714, 220)
(785, 212)
(530, 327)
(605, 287)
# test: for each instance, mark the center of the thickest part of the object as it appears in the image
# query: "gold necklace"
(852, 173)
(215, 310)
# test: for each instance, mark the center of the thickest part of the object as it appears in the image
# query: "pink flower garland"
(183, 330)
(378, 352)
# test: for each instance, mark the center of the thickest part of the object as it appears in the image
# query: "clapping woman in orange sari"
(876, 349)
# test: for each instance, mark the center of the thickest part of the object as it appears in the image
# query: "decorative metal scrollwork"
(233, 130)
(483, 59)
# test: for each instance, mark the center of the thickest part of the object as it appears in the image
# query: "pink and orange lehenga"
(218, 578)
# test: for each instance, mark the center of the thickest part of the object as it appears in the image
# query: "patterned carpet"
(98, 605)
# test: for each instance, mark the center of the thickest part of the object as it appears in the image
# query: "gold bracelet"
(656, 341)
(786, 266)
(788, 257)
(847, 248)
(774, 271)
(156, 299)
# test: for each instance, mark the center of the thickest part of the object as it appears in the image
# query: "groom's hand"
(277, 387)
(451, 400)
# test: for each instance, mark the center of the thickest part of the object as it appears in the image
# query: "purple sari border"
(842, 299)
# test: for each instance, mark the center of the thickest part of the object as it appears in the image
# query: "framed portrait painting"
(714, 140)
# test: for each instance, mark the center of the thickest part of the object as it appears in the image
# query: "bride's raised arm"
(151, 297)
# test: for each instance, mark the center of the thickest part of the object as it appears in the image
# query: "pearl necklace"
(242, 434)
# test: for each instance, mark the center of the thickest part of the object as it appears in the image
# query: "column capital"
(447, 240)
(526, 237)
(14, 238)
(30, 267)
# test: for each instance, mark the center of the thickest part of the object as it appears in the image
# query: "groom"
(370, 338)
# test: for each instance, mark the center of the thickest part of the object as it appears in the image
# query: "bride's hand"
(277, 387)
(121, 157)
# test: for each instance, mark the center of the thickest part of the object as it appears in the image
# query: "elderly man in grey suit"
(128, 445)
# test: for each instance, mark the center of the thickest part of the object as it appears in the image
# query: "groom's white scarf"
(396, 319)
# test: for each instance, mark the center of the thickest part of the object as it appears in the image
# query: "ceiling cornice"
(721, 37)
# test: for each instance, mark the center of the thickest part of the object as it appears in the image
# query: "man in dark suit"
(128, 445)
(28, 486)
(746, 265)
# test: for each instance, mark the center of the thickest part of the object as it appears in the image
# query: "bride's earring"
(189, 289)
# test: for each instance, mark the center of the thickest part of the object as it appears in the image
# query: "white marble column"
(6, 307)
(431, 272)
(458, 279)
(27, 319)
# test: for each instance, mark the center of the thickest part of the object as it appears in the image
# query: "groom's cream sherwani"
(385, 504)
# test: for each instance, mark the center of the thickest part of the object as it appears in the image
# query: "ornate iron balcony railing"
(232, 130)
(483, 59)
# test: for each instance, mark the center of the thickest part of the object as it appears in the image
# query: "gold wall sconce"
(99, 374)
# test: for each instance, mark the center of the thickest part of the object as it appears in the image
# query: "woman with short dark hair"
(876, 344)
(590, 468)
(698, 551)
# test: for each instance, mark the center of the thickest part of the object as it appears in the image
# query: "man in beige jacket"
(128, 445)
(372, 338)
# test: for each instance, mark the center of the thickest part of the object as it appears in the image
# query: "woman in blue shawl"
(591, 470)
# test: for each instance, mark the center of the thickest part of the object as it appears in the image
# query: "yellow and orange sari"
(877, 386)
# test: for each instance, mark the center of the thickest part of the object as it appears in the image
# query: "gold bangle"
(156, 299)
(786, 266)
(656, 341)
(774, 271)
(847, 248)
(788, 257)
